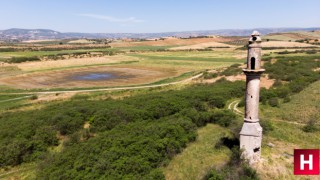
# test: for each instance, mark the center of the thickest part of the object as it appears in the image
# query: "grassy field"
(279, 37)
(143, 48)
(46, 53)
(308, 99)
(200, 156)
(286, 135)
(189, 60)
(302, 107)
(293, 36)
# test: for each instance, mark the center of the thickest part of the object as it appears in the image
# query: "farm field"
(169, 119)
(293, 36)
(168, 64)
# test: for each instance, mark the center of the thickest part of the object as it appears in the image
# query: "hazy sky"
(157, 15)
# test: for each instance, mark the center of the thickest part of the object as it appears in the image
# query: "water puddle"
(93, 76)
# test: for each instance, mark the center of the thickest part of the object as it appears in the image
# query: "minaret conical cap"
(255, 33)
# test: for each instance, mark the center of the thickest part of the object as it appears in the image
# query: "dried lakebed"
(88, 77)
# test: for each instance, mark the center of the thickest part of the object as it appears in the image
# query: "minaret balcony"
(253, 71)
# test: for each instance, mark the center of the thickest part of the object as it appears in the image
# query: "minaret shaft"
(251, 132)
(252, 98)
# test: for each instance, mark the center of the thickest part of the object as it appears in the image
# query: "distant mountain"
(38, 34)
(26, 34)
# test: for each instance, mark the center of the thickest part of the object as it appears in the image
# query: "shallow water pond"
(94, 76)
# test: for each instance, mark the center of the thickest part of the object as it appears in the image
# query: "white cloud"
(113, 19)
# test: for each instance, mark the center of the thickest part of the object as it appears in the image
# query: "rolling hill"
(37, 34)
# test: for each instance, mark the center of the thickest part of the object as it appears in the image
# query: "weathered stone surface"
(251, 132)
(251, 129)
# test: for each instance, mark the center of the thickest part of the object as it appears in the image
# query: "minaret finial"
(255, 33)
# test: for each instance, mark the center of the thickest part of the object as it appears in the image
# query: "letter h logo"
(306, 162)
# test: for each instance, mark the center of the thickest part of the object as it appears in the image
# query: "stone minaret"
(251, 132)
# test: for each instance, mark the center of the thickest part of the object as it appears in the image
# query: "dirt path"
(233, 106)
(13, 99)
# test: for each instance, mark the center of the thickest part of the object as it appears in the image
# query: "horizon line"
(164, 31)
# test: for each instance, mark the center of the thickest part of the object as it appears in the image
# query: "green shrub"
(249, 172)
(34, 97)
(274, 102)
(266, 94)
(207, 75)
(8, 50)
(222, 117)
(311, 51)
(24, 139)
(267, 126)
(23, 59)
(311, 126)
(286, 99)
(232, 70)
(242, 103)
(215, 175)
(236, 168)
(277, 83)
(216, 101)
(282, 91)
(130, 151)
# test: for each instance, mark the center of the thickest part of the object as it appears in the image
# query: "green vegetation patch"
(165, 58)
(145, 48)
(158, 124)
(292, 75)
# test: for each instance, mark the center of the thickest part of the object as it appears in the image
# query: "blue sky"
(119, 16)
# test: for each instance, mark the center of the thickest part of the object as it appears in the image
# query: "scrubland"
(177, 131)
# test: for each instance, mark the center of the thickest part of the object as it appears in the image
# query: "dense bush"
(312, 51)
(232, 70)
(207, 75)
(7, 49)
(296, 71)
(128, 138)
(217, 101)
(23, 59)
(71, 48)
(242, 103)
(129, 151)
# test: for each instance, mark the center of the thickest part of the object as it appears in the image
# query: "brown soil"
(202, 46)
(264, 80)
(171, 42)
(54, 97)
(285, 44)
(64, 78)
